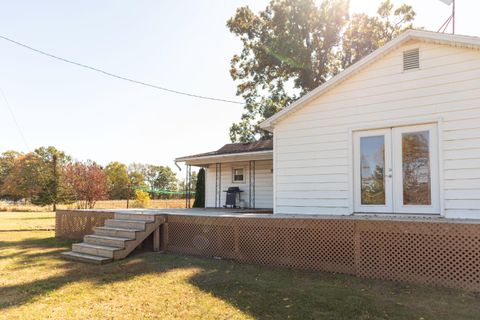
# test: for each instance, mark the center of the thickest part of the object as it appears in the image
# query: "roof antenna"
(450, 19)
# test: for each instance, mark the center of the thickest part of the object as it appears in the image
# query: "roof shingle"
(229, 148)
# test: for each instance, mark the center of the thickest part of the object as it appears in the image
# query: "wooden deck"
(417, 249)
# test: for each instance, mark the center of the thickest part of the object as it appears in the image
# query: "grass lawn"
(35, 284)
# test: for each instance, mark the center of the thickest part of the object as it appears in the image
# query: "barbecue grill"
(232, 193)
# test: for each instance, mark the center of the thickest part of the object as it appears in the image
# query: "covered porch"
(247, 167)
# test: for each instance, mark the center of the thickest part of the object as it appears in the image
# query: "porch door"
(415, 169)
(396, 170)
(373, 171)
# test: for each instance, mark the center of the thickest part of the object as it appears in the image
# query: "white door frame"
(358, 206)
(399, 207)
(393, 162)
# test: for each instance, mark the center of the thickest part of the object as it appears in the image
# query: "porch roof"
(232, 152)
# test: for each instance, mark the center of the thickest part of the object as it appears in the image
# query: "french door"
(396, 170)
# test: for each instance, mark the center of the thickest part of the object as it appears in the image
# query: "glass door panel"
(372, 171)
(416, 169)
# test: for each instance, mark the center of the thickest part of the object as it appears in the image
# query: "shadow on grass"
(42, 243)
(261, 292)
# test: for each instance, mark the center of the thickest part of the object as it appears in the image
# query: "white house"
(396, 133)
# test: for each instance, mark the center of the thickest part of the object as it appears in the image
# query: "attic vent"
(411, 59)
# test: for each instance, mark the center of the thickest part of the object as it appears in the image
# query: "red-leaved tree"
(88, 182)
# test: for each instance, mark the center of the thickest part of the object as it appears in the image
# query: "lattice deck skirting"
(74, 224)
(437, 253)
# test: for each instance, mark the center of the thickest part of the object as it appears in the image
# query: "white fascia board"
(244, 156)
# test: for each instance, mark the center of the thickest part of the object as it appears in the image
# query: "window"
(238, 175)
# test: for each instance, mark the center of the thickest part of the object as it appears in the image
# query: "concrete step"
(106, 240)
(116, 232)
(127, 224)
(83, 257)
(95, 250)
(135, 216)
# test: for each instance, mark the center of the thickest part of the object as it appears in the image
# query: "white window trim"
(233, 175)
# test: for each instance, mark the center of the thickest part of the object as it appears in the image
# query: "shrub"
(142, 199)
(200, 190)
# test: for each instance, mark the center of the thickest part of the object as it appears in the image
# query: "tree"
(293, 46)
(136, 178)
(22, 180)
(88, 182)
(200, 190)
(52, 188)
(117, 180)
(8, 159)
(192, 182)
(364, 34)
(161, 177)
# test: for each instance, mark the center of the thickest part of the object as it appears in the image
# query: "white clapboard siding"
(462, 184)
(462, 134)
(210, 186)
(462, 154)
(468, 194)
(284, 188)
(313, 145)
(311, 178)
(313, 194)
(263, 183)
(312, 154)
(462, 174)
(458, 145)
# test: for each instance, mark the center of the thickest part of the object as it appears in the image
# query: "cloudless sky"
(182, 45)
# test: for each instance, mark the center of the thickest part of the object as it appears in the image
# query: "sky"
(182, 45)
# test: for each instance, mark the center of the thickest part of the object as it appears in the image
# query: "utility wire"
(44, 183)
(13, 117)
(117, 76)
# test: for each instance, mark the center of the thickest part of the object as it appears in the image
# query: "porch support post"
(218, 185)
(187, 186)
(164, 234)
(254, 182)
(156, 240)
(251, 184)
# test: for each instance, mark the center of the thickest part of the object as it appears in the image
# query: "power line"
(43, 183)
(13, 117)
(118, 76)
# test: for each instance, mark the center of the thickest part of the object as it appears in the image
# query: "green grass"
(35, 284)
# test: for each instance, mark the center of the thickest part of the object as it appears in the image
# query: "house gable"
(380, 54)
(442, 69)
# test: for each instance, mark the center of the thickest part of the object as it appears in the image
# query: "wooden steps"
(117, 239)
(116, 232)
(86, 257)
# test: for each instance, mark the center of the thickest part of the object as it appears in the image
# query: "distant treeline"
(48, 176)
